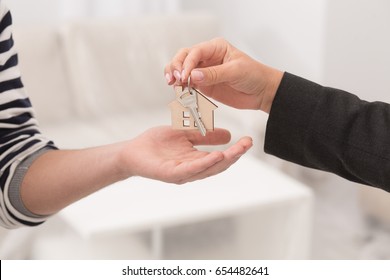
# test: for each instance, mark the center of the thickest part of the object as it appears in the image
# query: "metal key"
(188, 99)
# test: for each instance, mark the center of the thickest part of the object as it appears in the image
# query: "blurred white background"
(286, 34)
(339, 43)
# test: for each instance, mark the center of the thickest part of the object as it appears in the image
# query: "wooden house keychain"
(192, 110)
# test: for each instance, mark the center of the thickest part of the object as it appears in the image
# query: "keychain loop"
(189, 84)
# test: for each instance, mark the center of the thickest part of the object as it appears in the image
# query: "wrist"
(122, 165)
(273, 78)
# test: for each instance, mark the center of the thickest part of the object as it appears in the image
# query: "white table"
(251, 211)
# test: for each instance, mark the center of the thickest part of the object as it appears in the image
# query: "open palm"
(169, 155)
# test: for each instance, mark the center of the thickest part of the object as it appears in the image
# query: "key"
(188, 99)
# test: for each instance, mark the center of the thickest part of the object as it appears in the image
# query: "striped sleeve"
(20, 139)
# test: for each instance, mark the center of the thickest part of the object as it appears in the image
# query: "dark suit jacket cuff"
(290, 118)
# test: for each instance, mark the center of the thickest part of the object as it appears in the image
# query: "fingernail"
(177, 75)
(168, 77)
(197, 75)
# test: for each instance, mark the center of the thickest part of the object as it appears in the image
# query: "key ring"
(189, 83)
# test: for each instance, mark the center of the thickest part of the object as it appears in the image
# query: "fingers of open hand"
(189, 169)
(230, 156)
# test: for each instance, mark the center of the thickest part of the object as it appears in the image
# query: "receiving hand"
(169, 155)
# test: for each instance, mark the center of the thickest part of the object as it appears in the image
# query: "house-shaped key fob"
(181, 117)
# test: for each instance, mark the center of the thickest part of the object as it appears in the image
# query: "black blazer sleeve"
(330, 130)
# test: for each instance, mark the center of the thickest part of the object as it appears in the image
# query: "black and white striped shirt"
(20, 139)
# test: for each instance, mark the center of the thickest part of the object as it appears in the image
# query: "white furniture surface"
(96, 82)
(251, 211)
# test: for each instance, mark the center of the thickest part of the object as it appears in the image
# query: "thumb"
(210, 75)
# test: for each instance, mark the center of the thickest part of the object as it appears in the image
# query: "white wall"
(285, 34)
(357, 55)
(38, 11)
(56, 11)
